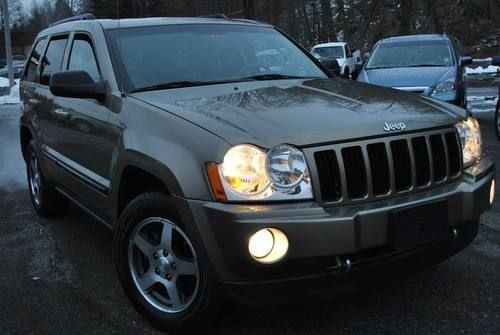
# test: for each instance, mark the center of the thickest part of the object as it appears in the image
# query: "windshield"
(334, 52)
(151, 57)
(411, 54)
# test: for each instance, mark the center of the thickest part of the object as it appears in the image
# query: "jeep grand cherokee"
(223, 177)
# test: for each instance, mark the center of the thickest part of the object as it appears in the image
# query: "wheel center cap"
(165, 265)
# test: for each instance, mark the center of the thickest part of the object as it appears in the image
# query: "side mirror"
(465, 60)
(77, 84)
(495, 60)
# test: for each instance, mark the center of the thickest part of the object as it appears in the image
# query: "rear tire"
(497, 120)
(46, 200)
(158, 266)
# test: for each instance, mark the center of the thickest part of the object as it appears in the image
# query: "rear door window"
(34, 60)
(52, 62)
(82, 57)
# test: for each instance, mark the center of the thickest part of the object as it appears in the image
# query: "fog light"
(492, 191)
(268, 245)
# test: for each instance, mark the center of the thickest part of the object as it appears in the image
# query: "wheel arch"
(140, 174)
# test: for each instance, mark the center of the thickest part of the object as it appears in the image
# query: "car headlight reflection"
(251, 173)
(470, 138)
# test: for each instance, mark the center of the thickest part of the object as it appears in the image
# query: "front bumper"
(320, 237)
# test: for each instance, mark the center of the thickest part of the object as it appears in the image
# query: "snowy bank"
(4, 82)
(13, 98)
(480, 70)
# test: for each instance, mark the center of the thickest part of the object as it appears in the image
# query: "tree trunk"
(249, 9)
(327, 30)
(405, 17)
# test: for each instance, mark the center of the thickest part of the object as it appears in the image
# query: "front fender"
(172, 149)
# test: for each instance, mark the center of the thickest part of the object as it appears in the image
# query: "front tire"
(159, 267)
(347, 73)
(46, 200)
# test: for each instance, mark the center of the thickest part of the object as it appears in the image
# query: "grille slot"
(422, 161)
(329, 175)
(384, 167)
(402, 164)
(355, 173)
(438, 156)
(454, 153)
(379, 166)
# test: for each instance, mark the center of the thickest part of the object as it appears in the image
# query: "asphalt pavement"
(58, 276)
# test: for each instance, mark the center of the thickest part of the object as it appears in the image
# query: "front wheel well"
(135, 181)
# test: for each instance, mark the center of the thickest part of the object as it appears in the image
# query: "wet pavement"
(58, 277)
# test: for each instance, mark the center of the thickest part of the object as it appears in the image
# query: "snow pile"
(480, 70)
(13, 98)
(4, 82)
(482, 60)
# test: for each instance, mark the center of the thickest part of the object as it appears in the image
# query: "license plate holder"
(411, 226)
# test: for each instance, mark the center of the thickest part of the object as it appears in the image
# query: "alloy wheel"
(35, 179)
(163, 265)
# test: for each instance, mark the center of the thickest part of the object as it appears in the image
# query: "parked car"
(223, 177)
(17, 66)
(427, 64)
(339, 51)
(496, 61)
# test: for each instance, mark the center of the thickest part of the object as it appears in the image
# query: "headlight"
(251, 173)
(444, 87)
(286, 166)
(470, 138)
(243, 170)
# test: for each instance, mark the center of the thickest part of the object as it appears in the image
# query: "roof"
(330, 44)
(423, 37)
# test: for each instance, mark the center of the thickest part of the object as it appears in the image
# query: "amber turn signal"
(215, 182)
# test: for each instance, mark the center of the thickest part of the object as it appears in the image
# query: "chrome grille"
(356, 171)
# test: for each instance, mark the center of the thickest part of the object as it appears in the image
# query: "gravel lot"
(58, 276)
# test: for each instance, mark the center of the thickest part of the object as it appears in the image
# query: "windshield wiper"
(165, 86)
(427, 65)
(381, 67)
(272, 76)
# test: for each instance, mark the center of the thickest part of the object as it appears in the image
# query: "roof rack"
(85, 16)
(215, 16)
(247, 21)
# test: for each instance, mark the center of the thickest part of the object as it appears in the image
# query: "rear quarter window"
(34, 60)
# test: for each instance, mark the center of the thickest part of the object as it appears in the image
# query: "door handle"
(62, 113)
(34, 101)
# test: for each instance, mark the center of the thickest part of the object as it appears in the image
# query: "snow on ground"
(481, 104)
(479, 69)
(13, 98)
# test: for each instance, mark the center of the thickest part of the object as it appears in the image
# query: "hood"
(298, 112)
(405, 76)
